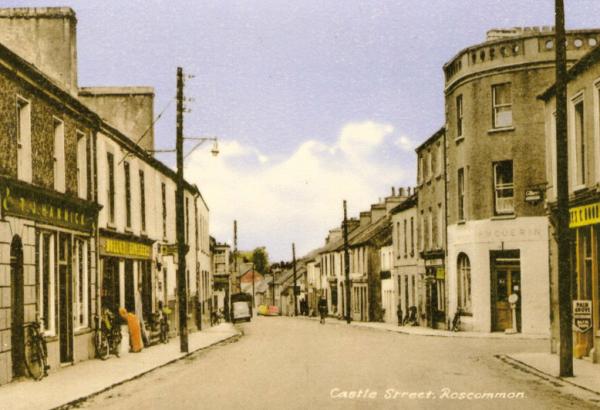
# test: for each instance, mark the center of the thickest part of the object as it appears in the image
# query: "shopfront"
(435, 289)
(126, 266)
(52, 269)
(585, 254)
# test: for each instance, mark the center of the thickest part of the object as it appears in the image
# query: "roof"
(407, 204)
(372, 231)
(585, 62)
(431, 139)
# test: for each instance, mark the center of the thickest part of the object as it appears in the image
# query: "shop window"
(81, 284)
(504, 193)
(164, 209)
(24, 159)
(580, 146)
(142, 200)
(459, 116)
(502, 105)
(110, 164)
(127, 172)
(461, 194)
(47, 282)
(59, 155)
(82, 176)
(464, 283)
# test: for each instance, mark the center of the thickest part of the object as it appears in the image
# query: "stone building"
(495, 149)
(221, 258)
(431, 225)
(406, 256)
(583, 125)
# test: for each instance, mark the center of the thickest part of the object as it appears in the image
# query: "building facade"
(431, 225)
(583, 130)
(498, 236)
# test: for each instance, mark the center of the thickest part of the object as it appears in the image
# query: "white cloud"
(405, 143)
(298, 198)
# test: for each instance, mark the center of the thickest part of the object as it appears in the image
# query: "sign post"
(582, 315)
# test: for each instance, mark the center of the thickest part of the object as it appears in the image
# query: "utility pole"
(347, 267)
(180, 227)
(294, 267)
(253, 294)
(235, 265)
(562, 199)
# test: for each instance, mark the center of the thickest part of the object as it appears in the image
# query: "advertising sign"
(582, 315)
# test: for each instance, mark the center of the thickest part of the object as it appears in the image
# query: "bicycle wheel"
(101, 345)
(35, 360)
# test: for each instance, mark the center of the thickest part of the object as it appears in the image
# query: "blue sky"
(313, 101)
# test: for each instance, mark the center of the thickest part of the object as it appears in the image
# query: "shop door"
(507, 281)
(17, 307)
(110, 285)
(146, 289)
(65, 299)
(584, 261)
(129, 286)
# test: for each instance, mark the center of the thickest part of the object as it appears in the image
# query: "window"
(24, 159)
(127, 194)
(440, 160)
(398, 239)
(59, 155)
(430, 164)
(504, 192)
(405, 239)
(580, 148)
(142, 200)
(423, 227)
(164, 209)
(421, 169)
(430, 229)
(46, 282)
(187, 220)
(440, 226)
(502, 105)
(412, 236)
(461, 194)
(82, 177)
(464, 283)
(110, 161)
(459, 116)
(80, 279)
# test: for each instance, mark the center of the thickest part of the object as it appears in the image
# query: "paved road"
(286, 363)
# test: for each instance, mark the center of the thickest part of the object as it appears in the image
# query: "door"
(65, 298)
(17, 306)
(507, 282)
(110, 285)
(129, 286)
(146, 289)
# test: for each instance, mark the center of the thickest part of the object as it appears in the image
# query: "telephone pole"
(562, 198)
(294, 267)
(347, 267)
(180, 227)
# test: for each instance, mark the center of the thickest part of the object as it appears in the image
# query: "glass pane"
(502, 94)
(502, 290)
(503, 117)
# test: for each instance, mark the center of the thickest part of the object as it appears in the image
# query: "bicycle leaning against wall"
(36, 351)
(107, 335)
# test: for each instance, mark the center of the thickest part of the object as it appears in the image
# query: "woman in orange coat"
(135, 333)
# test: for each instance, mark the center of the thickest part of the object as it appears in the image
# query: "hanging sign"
(584, 215)
(582, 315)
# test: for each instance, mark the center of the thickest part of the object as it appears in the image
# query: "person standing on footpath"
(322, 309)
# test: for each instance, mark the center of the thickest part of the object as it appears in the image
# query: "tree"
(260, 258)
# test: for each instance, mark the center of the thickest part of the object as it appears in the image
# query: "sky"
(312, 101)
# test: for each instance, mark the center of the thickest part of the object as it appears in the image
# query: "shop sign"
(168, 249)
(128, 249)
(584, 215)
(533, 195)
(582, 315)
(31, 203)
(440, 273)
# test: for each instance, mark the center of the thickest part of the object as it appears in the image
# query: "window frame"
(142, 181)
(464, 283)
(498, 107)
(48, 319)
(110, 192)
(81, 276)
(579, 151)
(460, 189)
(82, 165)
(23, 139)
(506, 186)
(58, 155)
(127, 196)
(459, 117)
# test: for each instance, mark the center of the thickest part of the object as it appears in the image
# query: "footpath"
(71, 384)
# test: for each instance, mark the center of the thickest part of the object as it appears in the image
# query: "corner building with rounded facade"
(496, 223)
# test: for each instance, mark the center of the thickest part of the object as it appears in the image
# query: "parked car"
(241, 307)
(269, 310)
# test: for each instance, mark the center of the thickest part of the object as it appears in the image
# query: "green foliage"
(260, 258)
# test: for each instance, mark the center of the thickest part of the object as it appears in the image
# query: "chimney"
(408, 191)
(365, 218)
(353, 223)
(393, 191)
(128, 109)
(401, 191)
(46, 38)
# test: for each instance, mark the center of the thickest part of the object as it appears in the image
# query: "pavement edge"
(75, 402)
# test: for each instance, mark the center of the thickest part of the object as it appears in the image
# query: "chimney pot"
(393, 191)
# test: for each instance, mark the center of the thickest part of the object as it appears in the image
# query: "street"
(287, 363)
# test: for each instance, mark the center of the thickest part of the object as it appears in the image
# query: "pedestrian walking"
(399, 313)
(323, 309)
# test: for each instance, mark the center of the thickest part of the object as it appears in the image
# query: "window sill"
(111, 226)
(128, 229)
(459, 139)
(82, 331)
(503, 217)
(438, 176)
(461, 222)
(468, 314)
(579, 188)
(500, 129)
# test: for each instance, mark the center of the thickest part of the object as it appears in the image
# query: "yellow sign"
(127, 248)
(440, 273)
(584, 215)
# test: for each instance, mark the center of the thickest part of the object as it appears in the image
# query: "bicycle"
(107, 335)
(36, 351)
(164, 325)
(456, 320)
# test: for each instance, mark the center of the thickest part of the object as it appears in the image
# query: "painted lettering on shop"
(127, 248)
(29, 205)
(584, 215)
(506, 233)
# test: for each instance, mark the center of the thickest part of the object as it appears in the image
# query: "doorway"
(65, 293)
(17, 306)
(506, 281)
